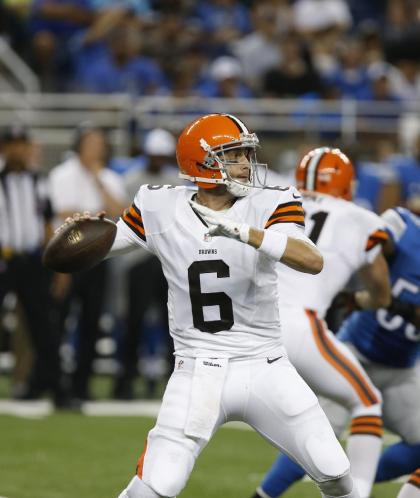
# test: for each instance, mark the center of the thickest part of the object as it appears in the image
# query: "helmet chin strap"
(237, 189)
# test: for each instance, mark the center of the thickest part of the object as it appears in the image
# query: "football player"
(411, 488)
(350, 239)
(219, 246)
(387, 342)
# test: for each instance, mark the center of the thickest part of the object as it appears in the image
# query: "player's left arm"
(283, 238)
(377, 291)
(396, 227)
(297, 253)
(373, 269)
(287, 244)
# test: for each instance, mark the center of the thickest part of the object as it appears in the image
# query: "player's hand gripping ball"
(80, 243)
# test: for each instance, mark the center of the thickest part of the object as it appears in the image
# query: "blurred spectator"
(225, 80)
(21, 7)
(121, 67)
(156, 163)
(222, 22)
(284, 15)
(361, 11)
(170, 39)
(351, 76)
(369, 35)
(295, 75)
(13, 29)
(189, 72)
(408, 173)
(381, 88)
(376, 186)
(53, 24)
(315, 16)
(401, 35)
(84, 183)
(321, 24)
(138, 7)
(109, 14)
(405, 79)
(25, 217)
(158, 169)
(259, 51)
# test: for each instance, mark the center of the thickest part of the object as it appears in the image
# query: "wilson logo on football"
(74, 237)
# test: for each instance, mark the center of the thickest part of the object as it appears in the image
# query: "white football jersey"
(222, 299)
(348, 237)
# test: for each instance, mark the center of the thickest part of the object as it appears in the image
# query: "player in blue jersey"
(387, 344)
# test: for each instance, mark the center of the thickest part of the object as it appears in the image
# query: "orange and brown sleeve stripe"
(378, 237)
(415, 478)
(289, 212)
(133, 219)
(348, 369)
(369, 425)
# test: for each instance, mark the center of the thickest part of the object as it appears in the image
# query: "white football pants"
(269, 395)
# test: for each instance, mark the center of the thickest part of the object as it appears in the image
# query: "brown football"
(80, 245)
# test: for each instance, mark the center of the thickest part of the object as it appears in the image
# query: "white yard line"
(26, 409)
(121, 408)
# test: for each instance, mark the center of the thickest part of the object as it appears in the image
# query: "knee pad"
(327, 455)
(168, 465)
(339, 487)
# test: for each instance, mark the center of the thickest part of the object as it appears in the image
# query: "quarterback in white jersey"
(226, 314)
(219, 246)
(349, 238)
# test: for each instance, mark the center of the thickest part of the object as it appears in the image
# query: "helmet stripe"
(312, 170)
(242, 128)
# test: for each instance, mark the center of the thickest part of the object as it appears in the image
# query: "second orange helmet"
(326, 170)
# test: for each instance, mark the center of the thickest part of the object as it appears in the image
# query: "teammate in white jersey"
(411, 488)
(219, 247)
(349, 238)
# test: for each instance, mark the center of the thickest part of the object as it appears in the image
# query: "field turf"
(74, 456)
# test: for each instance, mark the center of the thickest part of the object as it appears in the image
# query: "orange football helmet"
(326, 170)
(201, 151)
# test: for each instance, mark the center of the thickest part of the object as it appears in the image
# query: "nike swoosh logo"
(272, 360)
(297, 196)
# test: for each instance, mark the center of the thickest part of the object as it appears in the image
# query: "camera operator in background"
(84, 183)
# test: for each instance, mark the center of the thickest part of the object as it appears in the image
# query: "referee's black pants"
(30, 280)
(88, 288)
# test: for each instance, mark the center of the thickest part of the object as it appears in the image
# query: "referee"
(25, 214)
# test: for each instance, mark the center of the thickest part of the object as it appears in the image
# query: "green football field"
(74, 456)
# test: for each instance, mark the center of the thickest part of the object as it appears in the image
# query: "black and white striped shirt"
(24, 209)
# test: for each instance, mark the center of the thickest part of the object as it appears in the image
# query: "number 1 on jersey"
(319, 220)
